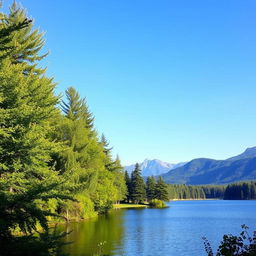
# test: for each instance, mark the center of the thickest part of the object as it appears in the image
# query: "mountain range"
(210, 171)
(203, 170)
(153, 167)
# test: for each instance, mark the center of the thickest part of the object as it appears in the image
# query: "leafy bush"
(242, 245)
(47, 243)
(155, 203)
(83, 208)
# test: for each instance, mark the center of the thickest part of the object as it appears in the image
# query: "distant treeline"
(241, 191)
(214, 191)
(245, 190)
(138, 191)
(185, 192)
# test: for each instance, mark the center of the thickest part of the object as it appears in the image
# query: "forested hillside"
(53, 164)
(245, 190)
(209, 171)
(241, 191)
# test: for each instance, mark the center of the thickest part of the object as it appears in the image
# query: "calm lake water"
(174, 231)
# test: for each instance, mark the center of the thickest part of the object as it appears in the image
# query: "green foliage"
(76, 108)
(105, 193)
(151, 188)
(52, 164)
(100, 249)
(105, 145)
(23, 45)
(119, 180)
(161, 192)
(241, 191)
(214, 191)
(138, 191)
(128, 187)
(237, 191)
(231, 245)
(109, 164)
(85, 161)
(155, 203)
(6, 35)
(82, 208)
(185, 192)
(25, 209)
(48, 243)
(27, 108)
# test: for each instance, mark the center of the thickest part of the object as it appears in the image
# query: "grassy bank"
(122, 206)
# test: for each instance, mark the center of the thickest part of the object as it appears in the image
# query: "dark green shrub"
(242, 245)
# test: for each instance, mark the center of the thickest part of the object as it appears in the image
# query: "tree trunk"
(67, 215)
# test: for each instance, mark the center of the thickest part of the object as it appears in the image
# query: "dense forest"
(185, 192)
(214, 191)
(245, 190)
(53, 163)
(241, 191)
(138, 191)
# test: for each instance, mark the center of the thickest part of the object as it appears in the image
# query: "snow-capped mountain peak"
(153, 167)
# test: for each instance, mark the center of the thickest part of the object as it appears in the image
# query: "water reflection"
(87, 235)
(177, 230)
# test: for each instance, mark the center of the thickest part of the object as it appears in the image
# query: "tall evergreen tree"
(105, 144)
(119, 177)
(128, 185)
(151, 188)
(82, 159)
(85, 161)
(76, 108)
(27, 108)
(161, 190)
(24, 44)
(109, 163)
(6, 35)
(138, 191)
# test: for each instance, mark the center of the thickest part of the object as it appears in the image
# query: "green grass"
(121, 206)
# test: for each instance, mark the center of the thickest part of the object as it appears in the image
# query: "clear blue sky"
(172, 80)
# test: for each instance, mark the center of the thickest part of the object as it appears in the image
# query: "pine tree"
(24, 45)
(82, 159)
(161, 190)
(76, 108)
(109, 163)
(105, 144)
(87, 162)
(27, 108)
(6, 35)
(128, 186)
(77, 132)
(138, 191)
(119, 182)
(151, 188)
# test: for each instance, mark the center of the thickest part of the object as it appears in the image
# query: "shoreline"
(127, 206)
(193, 199)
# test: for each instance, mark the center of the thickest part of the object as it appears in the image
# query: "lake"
(177, 230)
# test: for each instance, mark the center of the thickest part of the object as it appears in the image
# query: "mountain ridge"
(202, 170)
(210, 171)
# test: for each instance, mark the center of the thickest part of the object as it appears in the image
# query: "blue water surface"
(174, 231)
